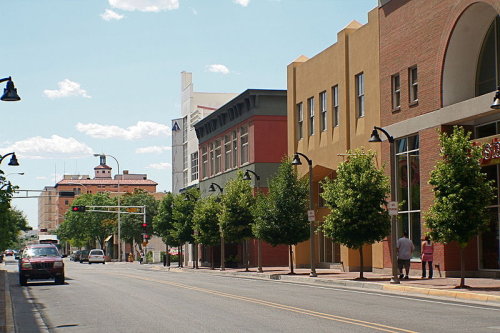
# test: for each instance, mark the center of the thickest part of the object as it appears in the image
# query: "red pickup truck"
(41, 261)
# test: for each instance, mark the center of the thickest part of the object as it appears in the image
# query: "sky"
(103, 76)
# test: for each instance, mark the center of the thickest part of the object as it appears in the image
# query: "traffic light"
(78, 208)
(145, 234)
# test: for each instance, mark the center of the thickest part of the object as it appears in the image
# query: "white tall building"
(194, 107)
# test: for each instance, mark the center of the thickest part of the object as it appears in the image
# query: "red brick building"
(439, 67)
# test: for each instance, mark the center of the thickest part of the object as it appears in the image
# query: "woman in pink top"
(427, 252)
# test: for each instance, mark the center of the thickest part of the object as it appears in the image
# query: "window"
(184, 129)
(235, 149)
(360, 95)
(488, 68)
(184, 156)
(300, 121)
(218, 156)
(310, 110)
(204, 162)
(322, 109)
(407, 164)
(396, 91)
(228, 159)
(244, 144)
(194, 166)
(335, 106)
(212, 159)
(185, 177)
(413, 81)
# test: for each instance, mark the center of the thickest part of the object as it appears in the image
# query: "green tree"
(357, 202)
(281, 215)
(13, 221)
(462, 193)
(206, 224)
(182, 215)
(163, 222)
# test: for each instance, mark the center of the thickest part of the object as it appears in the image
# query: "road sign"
(392, 207)
(310, 216)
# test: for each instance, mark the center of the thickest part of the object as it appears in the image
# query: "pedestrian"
(405, 251)
(427, 254)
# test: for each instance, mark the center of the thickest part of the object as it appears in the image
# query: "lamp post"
(13, 160)
(10, 92)
(211, 188)
(246, 176)
(296, 161)
(119, 209)
(190, 197)
(496, 100)
(376, 138)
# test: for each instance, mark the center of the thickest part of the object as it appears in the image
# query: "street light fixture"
(376, 138)
(496, 100)
(246, 176)
(211, 188)
(15, 173)
(296, 161)
(13, 160)
(10, 92)
(119, 209)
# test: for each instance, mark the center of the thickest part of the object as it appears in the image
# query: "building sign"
(491, 150)
(176, 127)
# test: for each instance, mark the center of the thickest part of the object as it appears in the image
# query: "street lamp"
(15, 173)
(189, 197)
(496, 100)
(246, 176)
(211, 188)
(10, 92)
(119, 209)
(376, 138)
(296, 161)
(13, 160)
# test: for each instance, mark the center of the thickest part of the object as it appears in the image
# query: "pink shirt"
(427, 251)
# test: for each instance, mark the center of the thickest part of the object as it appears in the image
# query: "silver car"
(96, 256)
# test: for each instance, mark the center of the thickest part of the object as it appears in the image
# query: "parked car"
(84, 256)
(9, 252)
(41, 261)
(75, 255)
(96, 255)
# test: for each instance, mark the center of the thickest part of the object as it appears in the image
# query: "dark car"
(84, 256)
(75, 256)
(41, 261)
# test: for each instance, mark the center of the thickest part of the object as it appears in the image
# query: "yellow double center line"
(379, 327)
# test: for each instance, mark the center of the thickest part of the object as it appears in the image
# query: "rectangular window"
(396, 92)
(235, 149)
(185, 177)
(335, 106)
(184, 156)
(244, 144)
(194, 166)
(184, 129)
(300, 121)
(212, 159)
(228, 159)
(218, 156)
(310, 111)
(413, 81)
(360, 95)
(322, 110)
(204, 162)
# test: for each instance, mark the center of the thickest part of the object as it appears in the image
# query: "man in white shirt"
(405, 251)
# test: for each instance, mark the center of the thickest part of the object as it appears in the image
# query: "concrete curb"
(459, 295)
(8, 326)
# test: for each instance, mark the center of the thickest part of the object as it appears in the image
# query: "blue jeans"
(430, 268)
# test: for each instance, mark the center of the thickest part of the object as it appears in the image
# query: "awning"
(108, 238)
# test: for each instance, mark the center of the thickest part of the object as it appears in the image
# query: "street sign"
(310, 216)
(392, 207)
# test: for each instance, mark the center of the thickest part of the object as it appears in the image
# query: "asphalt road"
(120, 297)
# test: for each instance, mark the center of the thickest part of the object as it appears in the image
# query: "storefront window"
(490, 239)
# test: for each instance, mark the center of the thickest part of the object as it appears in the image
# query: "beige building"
(47, 209)
(333, 104)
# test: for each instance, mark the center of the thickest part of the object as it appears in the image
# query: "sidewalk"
(481, 289)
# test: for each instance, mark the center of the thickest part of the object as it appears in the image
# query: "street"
(124, 297)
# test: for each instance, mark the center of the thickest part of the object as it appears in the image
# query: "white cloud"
(144, 5)
(159, 166)
(140, 130)
(109, 15)
(152, 149)
(49, 148)
(244, 3)
(66, 88)
(218, 68)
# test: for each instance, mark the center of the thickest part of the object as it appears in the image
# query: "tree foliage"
(206, 221)
(131, 224)
(163, 222)
(182, 215)
(237, 203)
(12, 222)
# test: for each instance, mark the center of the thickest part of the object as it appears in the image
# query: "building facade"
(247, 133)
(439, 69)
(194, 107)
(333, 104)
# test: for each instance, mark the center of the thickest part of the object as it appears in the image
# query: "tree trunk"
(462, 267)
(361, 263)
(212, 257)
(291, 259)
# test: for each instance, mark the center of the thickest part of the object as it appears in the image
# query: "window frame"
(300, 120)
(413, 85)
(244, 145)
(360, 95)
(323, 111)
(396, 92)
(310, 111)
(335, 106)
(194, 166)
